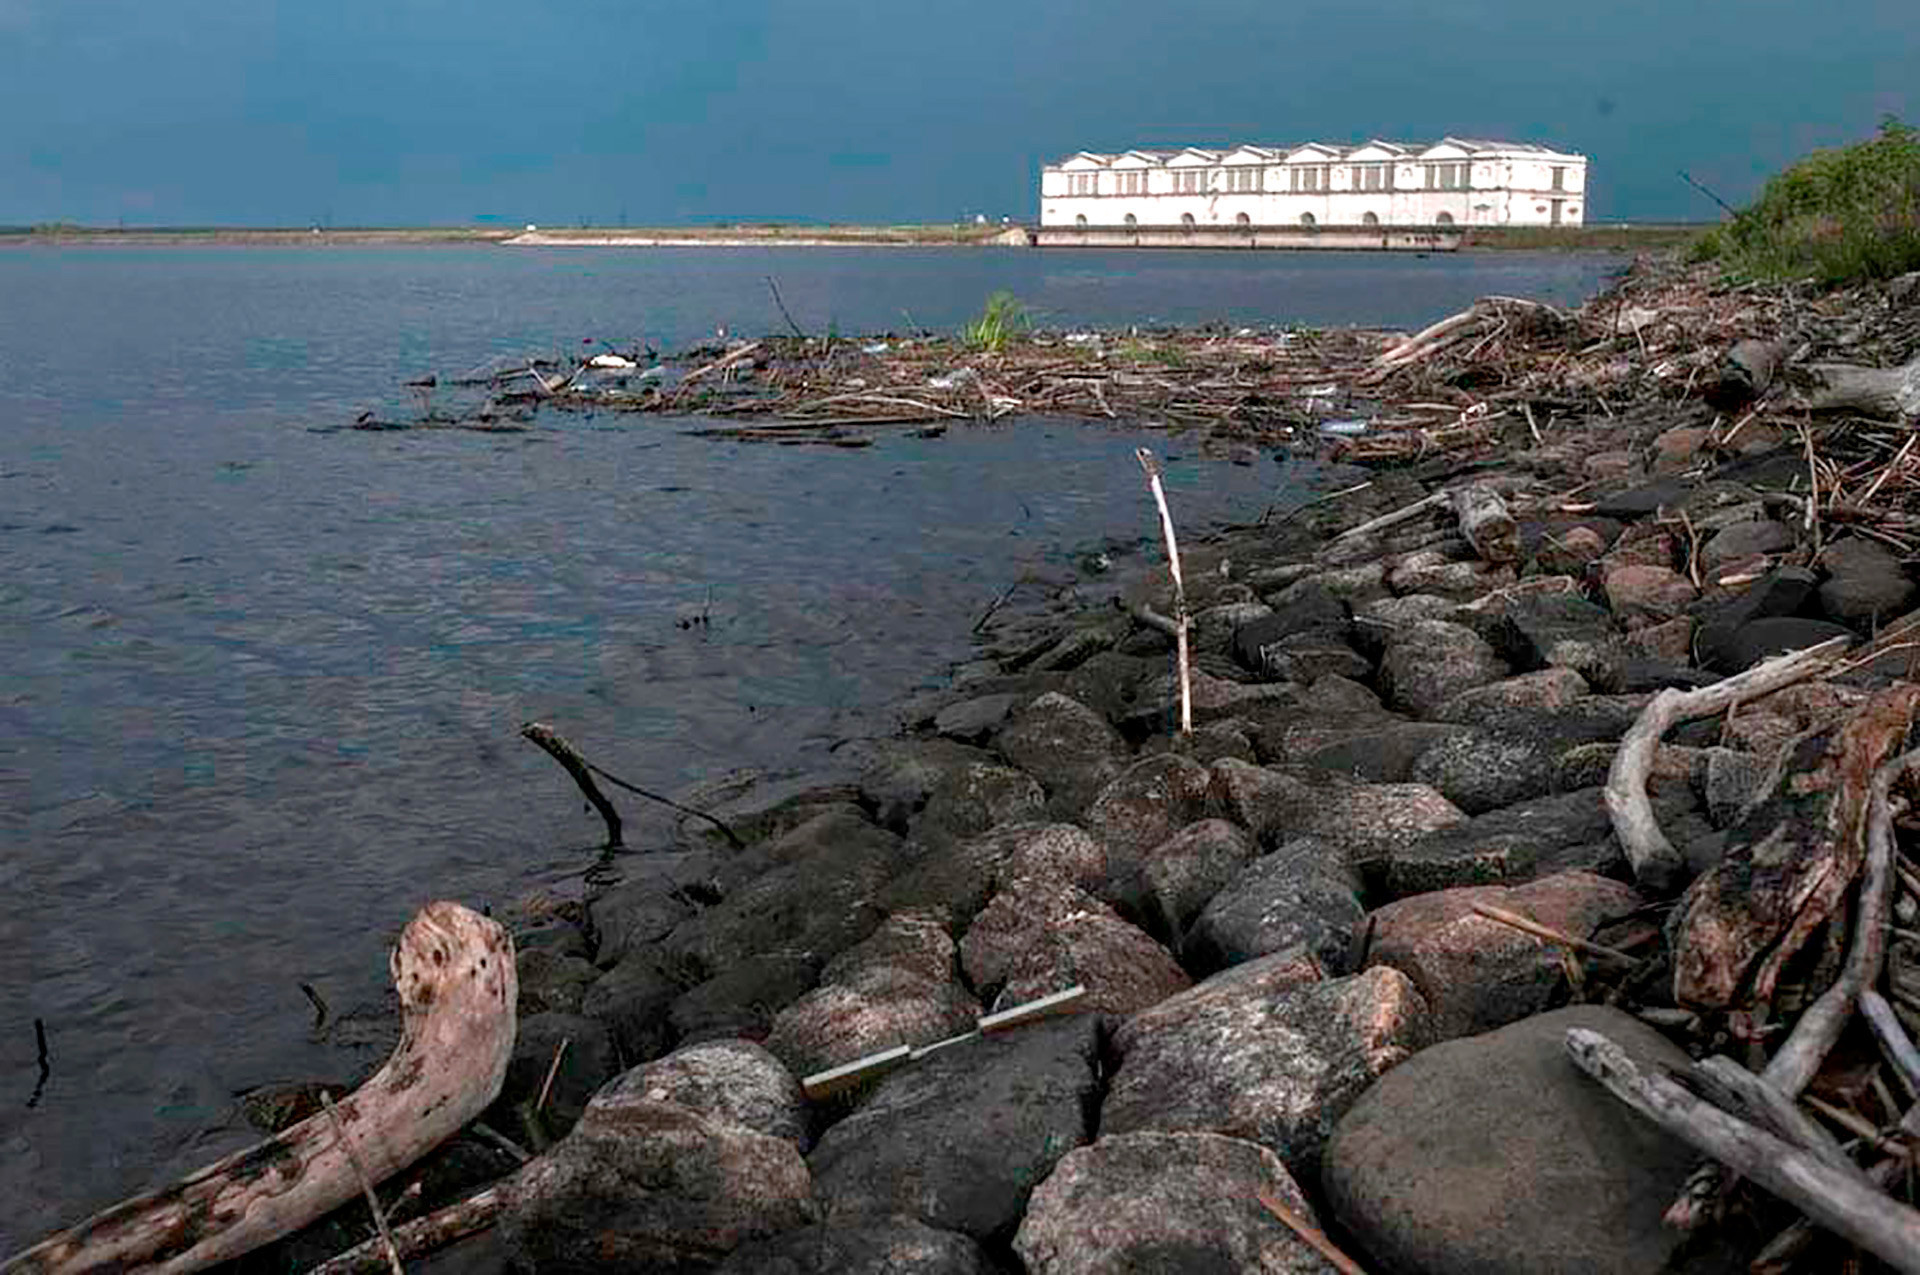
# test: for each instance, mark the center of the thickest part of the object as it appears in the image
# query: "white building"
(1453, 182)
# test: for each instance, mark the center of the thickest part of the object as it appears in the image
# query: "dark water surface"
(261, 685)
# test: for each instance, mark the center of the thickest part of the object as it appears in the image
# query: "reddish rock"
(1035, 939)
(1477, 973)
(1676, 450)
(1643, 545)
(1671, 640)
(1165, 1201)
(1547, 688)
(1568, 550)
(1431, 661)
(1648, 593)
(897, 987)
(1276, 1070)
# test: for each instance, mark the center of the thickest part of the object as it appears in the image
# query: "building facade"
(1453, 182)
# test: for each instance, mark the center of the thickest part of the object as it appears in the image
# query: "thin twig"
(366, 1183)
(1312, 1234)
(546, 1086)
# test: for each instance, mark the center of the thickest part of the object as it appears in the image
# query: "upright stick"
(1152, 466)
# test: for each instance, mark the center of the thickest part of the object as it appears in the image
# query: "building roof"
(1157, 156)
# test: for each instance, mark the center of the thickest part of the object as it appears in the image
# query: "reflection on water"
(262, 684)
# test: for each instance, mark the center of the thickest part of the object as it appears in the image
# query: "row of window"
(1300, 179)
(1245, 222)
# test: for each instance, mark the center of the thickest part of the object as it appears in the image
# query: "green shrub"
(1003, 316)
(1837, 216)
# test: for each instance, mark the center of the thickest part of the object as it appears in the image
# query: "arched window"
(1186, 219)
(1370, 219)
(1444, 219)
(1132, 220)
(1241, 219)
(1308, 220)
(1080, 219)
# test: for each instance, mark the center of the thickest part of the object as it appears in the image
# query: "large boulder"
(1481, 770)
(1189, 868)
(1166, 1202)
(956, 881)
(1145, 804)
(960, 1138)
(1495, 1155)
(1865, 584)
(1301, 897)
(968, 800)
(1036, 938)
(816, 905)
(899, 775)
(650, 1183)
(896, 987)
(742, 999)
(1368, 822)
(1506, 847)
(641, 911)
(732, 1080)
(633, 999)
(1476, 973)
(868, 1246)
(1277, 1070)
(1430, 661)
(1068, 747)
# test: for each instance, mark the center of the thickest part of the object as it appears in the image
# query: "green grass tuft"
(1838, 216)
(1003, 317)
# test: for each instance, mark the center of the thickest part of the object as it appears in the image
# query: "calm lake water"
(262, 684)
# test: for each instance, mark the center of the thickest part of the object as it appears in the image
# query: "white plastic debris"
(612, 363)
(1343, 428)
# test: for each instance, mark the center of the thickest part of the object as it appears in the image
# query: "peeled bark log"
(1889, 392)
(455, 974)
(1486, 524)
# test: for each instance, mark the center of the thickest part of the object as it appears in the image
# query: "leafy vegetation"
(1003, 317)
(1837, 216)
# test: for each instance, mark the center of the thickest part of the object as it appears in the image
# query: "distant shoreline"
(1625, 237)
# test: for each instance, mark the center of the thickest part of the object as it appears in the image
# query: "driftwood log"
(1486, 523)
(1656, 864)
(1892, 393)
(1744, 374)
(1839, 1200)
(454, 971)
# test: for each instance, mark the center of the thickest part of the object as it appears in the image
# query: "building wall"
(1502, 190)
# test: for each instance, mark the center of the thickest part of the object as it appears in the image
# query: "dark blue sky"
(431, 111)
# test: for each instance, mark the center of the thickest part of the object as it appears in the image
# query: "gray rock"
(587, 1062)
(636, 913)
(732, 1080)
(1214, 629)
(1504, 847)
(1760, 640)
(1547, 688)
(1356, 586)
(1368, 823)
(1782, 592)
(1183, 872)
(760, 809)
(1307, 657)
(971, 721)
(1166, 1202)
(643, 1184)
(1276, 1070)
(1110, 682)
(1157, 708)
(1495, 1155)
(1636, 502)
(1384, 754)
(1037, 938)
(971, 799)
(1865, 583)
(1480, 770)
(632, 999)
(1377, 621)
(955, 882)
(1300, 897)
(1228, 737)
(743, 998)
(896, 987)
(1145, 804)
(872, 1246)
(1430, 572)
(552, 983)
(960, 1139)
(817, 905)
(898, 775)
(1743, 539)
(1431, 661)
(1068, 747)
(1477, 974)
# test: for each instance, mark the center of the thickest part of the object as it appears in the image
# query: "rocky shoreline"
(1304, 992)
